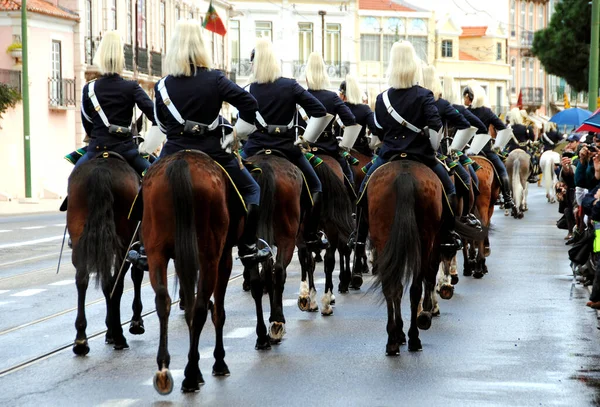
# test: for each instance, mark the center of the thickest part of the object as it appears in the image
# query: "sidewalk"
(37, 206)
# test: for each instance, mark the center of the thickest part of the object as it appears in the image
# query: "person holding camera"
(569, 162)
(591, 207)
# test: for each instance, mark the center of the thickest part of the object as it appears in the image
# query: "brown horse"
(359, 177)
(336, 221)
(405, 218)
(475, 251)
(281, 184)
(101, 192)
(190, 215)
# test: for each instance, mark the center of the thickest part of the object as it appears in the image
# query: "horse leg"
(277, 319)
(392, 348)
(445, 288)
(329, 265)
(81, 347)
(256, 287)
(218, 314)
(467, 255)
(163, 381)
(312, 293)
(453, 273)
(345, 254)
(114, 334)
(425, 316)
(480, 260)
(303, 294)
(416, 290)
(137, 323)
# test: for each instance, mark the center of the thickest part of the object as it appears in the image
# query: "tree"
(563, 47)
(8, 98)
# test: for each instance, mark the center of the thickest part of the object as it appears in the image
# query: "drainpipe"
(593, 78)
(25, 90)
(322, 13)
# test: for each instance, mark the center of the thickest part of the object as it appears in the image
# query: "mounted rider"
(187, 105)
(318, 82)
(401, 113)
(524, 135)
(474, 98)
(277, 98)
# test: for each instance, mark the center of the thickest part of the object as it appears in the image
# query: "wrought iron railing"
(532, 96)
(156, 63)
(142, 60)
(241, 67)
(128, 51)
(61, 92)
(526, 38)
(11, 78)
(334, 69)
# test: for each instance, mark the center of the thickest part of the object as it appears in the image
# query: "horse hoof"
(313, 308)
(436, 312)
(263, 344)
(478, 274)
(246, 286)
(424, 321)
(304, 303)
(120, 345)
(414, 345)
(392, 349)
(402, 339)
(108, 339)
(327, 311)
(343, 289)
(357, 281)
(276, 331)
(454, 279)
(332, 302)
(467, 272)
(137, 327)
(487, 251)
(446, 291)
(191, 386)
(220, 369)
(521, 215)
(81, 347)
(163, 382)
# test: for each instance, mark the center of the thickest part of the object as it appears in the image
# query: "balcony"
(142, 61)
(532, 97)
(526, 39)
(241, 67)
(337, 70)
(128, 51)
(11, 78)
(61, 93)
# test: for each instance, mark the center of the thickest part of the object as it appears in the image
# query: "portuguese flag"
(212, 21)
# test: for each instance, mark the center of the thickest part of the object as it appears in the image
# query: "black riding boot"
(314, 242)
(358, 242)
(466, 217)
(137, 256)
(249, 253)
(451, 240)
(505, 187)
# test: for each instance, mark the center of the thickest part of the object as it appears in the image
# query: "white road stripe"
(5, 231)
(33, 227)
(239, 333)
(60, 225)
(30, 242)
(290, 303)
(5, 302)
(118, 403)
(4, 291)
(28, 293)
(63, 282)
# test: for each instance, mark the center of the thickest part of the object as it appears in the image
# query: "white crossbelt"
(97, 107)
(545, 137)
(162, 89)
(261, 120)
(396, 115)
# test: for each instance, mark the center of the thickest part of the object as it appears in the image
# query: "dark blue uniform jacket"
(488, 118)
(522, 134)
(472, 119)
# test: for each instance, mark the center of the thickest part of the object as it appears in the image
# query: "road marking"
(290, 303)
(5, 231)
(28, 293)
(60, 225)
(33, 227)
(4, 291)
(5, 302)
(239, 333)
(63, 282)
(31, 242)
(118, 403)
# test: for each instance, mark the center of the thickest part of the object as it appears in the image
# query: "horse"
(547, 162)
(281, 183)
(359, 176)
(476, 250)
(337, 222)
(101, 193)
(192, 216)
(518, 167)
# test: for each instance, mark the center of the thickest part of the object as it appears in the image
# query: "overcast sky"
(467, 12)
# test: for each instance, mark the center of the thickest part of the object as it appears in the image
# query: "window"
(190, 15)
(305, 41)
(333, 43)
(541, 77)
(56, 72)
(531, 16)
(177, 13)
(112, 15)
(370, 45)
(234, 37)
(420, 44)
(264, 29)
(163, 26)
(89, 42)
(498, 51)
(540, 16)
(141, 24)
(498, 98)
(447, 48)
(513, 75)
(523, 73)
(531, 76)
(388, 41)
(129, 34)
(522, 20)
(513, 18)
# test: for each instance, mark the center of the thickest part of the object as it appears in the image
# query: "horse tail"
(186, 240)
(267, 184)
(401, 256)
(337, 206)
(99, 241)
(516, 182)
(547, 174)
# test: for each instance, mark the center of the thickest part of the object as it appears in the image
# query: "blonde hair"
(316, 74)
(353, 93)
(431, 81)
(266, 67)
(479, 95)
(514, 116)
(404, 68)
(549, 126)
(187, 50)
(109, 57)
(372, 97)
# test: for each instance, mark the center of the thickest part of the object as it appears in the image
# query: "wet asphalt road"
(521, 336)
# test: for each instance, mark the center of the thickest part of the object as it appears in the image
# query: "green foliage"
(14, 47)
(8, 98)
(564, 46)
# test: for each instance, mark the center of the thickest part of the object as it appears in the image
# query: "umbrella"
(592, 123)
(571, 117)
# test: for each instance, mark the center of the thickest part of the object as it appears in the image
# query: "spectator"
(569, 163)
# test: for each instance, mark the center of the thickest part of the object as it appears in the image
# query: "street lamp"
(322, 13)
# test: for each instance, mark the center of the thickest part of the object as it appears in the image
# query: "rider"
(187, 105)
(107, 106)
(277, 98)
(550, 137)
(523, 134)
(474, 99)
(350, 93)
(318, 82)
(404, 135)
(451, 117)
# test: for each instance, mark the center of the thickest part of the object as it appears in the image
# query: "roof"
(41, 7)
(463, 56)
(474, 31)
(380, 5)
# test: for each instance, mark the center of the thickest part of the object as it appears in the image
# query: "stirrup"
(319, 243)
(137, 256)
(256, 255)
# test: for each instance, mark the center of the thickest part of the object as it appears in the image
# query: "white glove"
(375, 142)
(152, 140)
(244, 128)
(227, 142)
(298, 141)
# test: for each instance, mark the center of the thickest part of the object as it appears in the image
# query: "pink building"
(52, 94)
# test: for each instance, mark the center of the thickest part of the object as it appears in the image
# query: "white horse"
(517, 165)
(549, 179)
